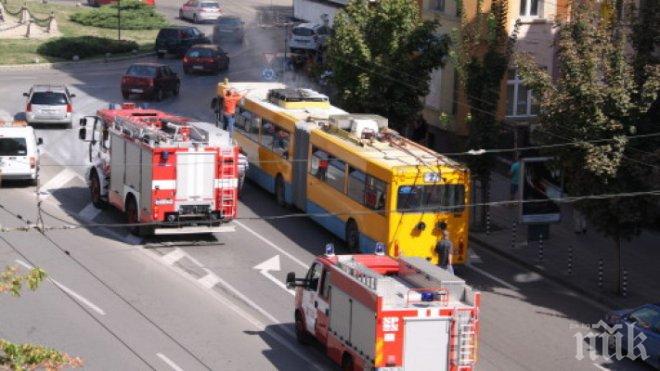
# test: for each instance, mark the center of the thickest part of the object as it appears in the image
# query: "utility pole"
(118, 19)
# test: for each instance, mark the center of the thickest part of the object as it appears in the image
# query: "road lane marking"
(72, 293)
(494, 278)
(89, 212)
(272, 264)
(265, 240)
(209, 280)
(173, 256)
(169, 362)
(62, 178)
(241, 312)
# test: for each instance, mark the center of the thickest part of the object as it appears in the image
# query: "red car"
(150, 80)
(205, 58)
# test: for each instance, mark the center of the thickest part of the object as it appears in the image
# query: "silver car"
(200, 10)
(49, 104)
(307, 37)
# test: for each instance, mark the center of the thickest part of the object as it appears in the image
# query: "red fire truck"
(377, 312)
(168, 174)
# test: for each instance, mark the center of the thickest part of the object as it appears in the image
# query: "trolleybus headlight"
(441, 226)
(421, 226)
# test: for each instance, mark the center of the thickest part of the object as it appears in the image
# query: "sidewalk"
(641, 256)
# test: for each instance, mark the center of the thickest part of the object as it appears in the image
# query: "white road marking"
(209, 280)
(169, 362)
(265, 240)
(527, 277)
(89, 212)
(77, 296)
(475, 258)
(272, 264)
(246, 315)
(62, 178)
(173, 256)
(496, 279)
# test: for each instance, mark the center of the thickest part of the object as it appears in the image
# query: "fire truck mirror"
(291, 280)
(82, 134)
(83, 121)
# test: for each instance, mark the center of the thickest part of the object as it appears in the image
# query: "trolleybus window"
(356, 183)
(281, 142)
(375, 192)
(267, 132)
(328, 168)
(442, 197)
(242, 119)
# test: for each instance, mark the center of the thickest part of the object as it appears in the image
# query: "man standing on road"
(231, 99)
(444, 249)
(514, 173)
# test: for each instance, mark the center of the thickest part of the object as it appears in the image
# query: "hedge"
(134, 16)
(85, 47)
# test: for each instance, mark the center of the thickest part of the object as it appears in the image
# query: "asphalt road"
(121, 302)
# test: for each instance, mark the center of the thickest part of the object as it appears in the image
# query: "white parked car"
(49, 104)
(19, 155)
(307, 36)
(200, 11)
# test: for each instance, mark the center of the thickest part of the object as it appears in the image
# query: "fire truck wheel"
(95, 191)
(347, 362)
(279, 191)
(352, 236)
(132, 215)
(301, 333)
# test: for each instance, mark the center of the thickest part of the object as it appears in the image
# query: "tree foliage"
(29, 356)
(381, 56)
(597, 96)
(481, 53)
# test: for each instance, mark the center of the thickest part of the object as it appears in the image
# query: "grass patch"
(23, 51)
(134, 16)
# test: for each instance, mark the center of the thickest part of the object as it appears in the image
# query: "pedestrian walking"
(579, 222)
(230, 100)
(444, 250)
(514, 173)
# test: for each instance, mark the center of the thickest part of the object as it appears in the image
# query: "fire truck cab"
(168, 174)
(375, 312)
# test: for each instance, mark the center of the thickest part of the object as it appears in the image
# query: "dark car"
(150, 80)
(644, 320)
(178, 39)
(228, 28)
(205, 58)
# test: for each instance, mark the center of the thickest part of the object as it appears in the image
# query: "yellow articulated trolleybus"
(360, 180)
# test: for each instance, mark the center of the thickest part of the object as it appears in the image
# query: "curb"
(550, 276)
(10, 67)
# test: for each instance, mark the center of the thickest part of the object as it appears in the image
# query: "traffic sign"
(268, 74)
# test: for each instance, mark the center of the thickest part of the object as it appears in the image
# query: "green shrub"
(84, 47)
(134, 16)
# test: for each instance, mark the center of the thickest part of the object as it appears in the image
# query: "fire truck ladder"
(359, 273)
(464, 336)
(228, 179)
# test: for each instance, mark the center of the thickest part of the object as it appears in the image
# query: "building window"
(439, 5)
(520, 99)
(530, 8)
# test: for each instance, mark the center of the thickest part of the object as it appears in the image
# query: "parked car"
(200, 10)
(150, 80)
(307, 37)
(178, 39)
(49, 104)
(228, 28)
(19, 156)
(643, 320)
(205, 58)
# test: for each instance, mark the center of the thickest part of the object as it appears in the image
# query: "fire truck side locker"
(117, 166)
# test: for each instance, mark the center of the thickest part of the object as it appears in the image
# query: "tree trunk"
(619, 265)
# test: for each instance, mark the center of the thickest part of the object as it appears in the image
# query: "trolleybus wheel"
(279, 191)
(352, 236)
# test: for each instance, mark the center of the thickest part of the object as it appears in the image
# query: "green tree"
(597, 96)
(481, 53)
(28, 356)
(381, 55)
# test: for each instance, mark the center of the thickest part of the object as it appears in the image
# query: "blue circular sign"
(268, 73)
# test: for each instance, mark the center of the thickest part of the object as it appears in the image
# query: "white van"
(19, 155)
